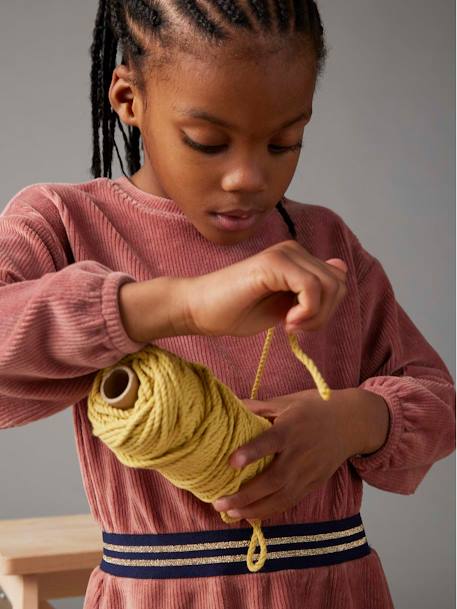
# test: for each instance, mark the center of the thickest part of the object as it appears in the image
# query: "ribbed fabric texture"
(65, 249)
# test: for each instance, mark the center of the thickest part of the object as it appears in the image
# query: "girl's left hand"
(311, 440)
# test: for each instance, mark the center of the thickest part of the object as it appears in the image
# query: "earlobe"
(121, 95)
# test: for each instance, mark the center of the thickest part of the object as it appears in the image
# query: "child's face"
(246, 171)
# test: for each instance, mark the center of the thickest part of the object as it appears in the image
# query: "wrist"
(367, 421)
(154, 309)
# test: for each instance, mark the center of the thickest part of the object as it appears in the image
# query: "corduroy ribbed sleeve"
(400, 365)
(59, 323)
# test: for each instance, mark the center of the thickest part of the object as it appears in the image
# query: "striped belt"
(223, 552)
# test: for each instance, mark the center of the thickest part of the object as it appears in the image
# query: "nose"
(245, 177)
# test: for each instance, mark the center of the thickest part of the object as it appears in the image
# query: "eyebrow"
(202, 114)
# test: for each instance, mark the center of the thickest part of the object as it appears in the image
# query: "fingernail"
(219, 504)
(241, 460)
(295, 320)
(233, 513)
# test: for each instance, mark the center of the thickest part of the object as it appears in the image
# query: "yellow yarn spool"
(185, 423)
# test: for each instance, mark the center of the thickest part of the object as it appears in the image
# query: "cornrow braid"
(283, 14)
(261, 12)
(116, 24)
(232, 12)
(300, 15)
(190, 9)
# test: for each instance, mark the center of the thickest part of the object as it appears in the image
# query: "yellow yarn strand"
(324, 391)
(185, 423)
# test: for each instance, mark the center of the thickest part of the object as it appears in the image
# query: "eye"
(280, 149)
(202, 147)
(217, 149)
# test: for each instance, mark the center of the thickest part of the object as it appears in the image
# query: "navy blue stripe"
(232, 551)
(270, 565)
(230, 534)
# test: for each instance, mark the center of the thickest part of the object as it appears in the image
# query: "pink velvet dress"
(65, 249)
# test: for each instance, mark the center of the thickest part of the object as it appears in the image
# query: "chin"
(228, 238)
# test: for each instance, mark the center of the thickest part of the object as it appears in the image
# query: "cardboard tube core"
(119, 387)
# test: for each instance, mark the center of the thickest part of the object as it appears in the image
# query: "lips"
(237, 213)
(233, 223)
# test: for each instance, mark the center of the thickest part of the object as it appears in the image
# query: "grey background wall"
(379, 150)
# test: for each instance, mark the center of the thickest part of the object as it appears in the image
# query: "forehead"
(247, 85)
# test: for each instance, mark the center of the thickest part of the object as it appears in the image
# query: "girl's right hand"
(281, 283)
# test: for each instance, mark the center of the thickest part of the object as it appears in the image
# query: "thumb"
(268, 409)
(257, 406)
(267, 443)
(338, 263)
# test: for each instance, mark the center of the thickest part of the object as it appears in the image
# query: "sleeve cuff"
(385, 386)
(112, 315)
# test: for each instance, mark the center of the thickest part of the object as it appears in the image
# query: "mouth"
(234, 222)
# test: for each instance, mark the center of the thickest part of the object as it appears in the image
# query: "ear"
(124, 96)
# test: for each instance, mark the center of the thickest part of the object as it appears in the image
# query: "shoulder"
(326, 234)
(44, 197)
(47, 211)
(56, 204)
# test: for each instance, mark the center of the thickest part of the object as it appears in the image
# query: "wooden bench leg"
(30, 591)
(21, 590)
(4, 601)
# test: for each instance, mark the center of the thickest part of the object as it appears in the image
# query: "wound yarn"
(185, 423)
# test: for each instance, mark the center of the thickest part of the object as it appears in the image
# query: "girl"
(196, 250)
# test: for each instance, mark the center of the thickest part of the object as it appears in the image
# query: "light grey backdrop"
(379, 151)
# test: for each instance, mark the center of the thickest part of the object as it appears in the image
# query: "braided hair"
(117, 23)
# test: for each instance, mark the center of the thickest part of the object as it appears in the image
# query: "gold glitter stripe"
(204, 560)
(225, 545)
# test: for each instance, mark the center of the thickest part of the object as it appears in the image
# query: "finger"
(267, 482)
(298, 316)
(338, 263)
(268, 408)
(293, 276)
(309, 294)
(331, 302)
(319, 288)
(274, 503)
(265, 507)
(257, 406)
(315, 265)
(267, 443)
(332, 292)
(333, 295)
